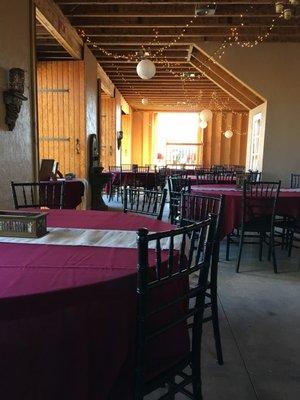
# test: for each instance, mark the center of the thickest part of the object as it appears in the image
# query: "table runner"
(89, 237)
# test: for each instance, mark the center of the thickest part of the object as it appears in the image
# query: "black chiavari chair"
(171, 301)
(116, 183)
(259, 205)
(176, 186)
(38, 194)
(225, 177)
(205, 178)
(196, 208)
(295, 181)
(147, 202)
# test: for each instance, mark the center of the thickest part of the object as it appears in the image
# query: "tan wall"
(17, 158)
(272, 69)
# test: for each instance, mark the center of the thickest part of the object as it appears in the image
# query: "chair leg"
(240, 251)
(290, 238)
(216, 328)
(272, 244)
(261, 242)
(227, 247)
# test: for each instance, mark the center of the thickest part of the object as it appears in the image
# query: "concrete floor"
(260, 328)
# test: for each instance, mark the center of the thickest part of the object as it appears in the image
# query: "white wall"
(17, 156)
(273, 70)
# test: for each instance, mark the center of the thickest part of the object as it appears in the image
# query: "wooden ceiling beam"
(178, 22)
(227, 81)
(158, 2)
(165, 10)
(54, 21)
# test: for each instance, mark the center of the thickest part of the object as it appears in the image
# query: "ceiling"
(118, 30)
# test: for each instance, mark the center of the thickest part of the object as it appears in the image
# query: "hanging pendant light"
(228, 134)
(146, 69)
(203, 124)
(206, 115)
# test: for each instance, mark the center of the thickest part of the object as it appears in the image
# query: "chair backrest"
(225, 177)
(143, 169)
(38, 194)
(204, 177)
(147, 202)
(168, 301)
(295, 181)
(126, 167)
(259, 199)
(253, 176)
(197, 208)
(177, 184)
(114, 168)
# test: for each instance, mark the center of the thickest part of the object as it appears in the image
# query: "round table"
(288, 203)
(68, 313)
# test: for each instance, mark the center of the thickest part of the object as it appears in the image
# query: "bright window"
(178, 139)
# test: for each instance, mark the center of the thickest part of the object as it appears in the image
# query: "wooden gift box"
(23, 224)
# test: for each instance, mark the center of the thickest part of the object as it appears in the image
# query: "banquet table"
(288, 203)
(67, 312)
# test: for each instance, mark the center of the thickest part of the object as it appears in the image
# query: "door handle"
(77, 147)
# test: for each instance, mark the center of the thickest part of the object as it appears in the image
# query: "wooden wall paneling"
(235, 140)
(243, 146)
(228, 119)
(126, 142)
(108, 131)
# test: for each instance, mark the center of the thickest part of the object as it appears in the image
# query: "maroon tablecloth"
(288, 204)
(67, 314)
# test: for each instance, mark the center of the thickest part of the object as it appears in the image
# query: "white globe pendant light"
(146, 69)
(228, 134)
(206, 115)
(145, 101)
(203, 124)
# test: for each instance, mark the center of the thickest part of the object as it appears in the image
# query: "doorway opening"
(178, 139)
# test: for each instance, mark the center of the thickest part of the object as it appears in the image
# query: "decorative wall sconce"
(14, 96)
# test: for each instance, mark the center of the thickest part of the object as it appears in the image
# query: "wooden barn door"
(61, 114)
(108, 131)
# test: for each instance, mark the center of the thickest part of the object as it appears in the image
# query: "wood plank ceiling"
(118, 30)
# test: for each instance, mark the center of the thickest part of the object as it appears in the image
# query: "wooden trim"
(52, 18)
(106, 84)
(225, 79)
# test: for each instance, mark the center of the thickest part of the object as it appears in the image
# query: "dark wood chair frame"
(260, 226)
(193, 207)
(38, 194)
(177, 185)
(197, 261)
(116, 188)
(295, 181)
(146, 202)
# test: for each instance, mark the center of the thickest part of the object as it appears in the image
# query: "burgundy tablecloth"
(67, 314)
(288, 204)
